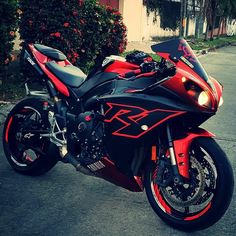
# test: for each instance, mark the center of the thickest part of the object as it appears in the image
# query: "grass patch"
(200, 44)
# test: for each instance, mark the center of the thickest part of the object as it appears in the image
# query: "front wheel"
(26, 151)
(200, 201)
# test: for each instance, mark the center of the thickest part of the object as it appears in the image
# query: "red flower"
(121, 49)
(116, 13)
(6, 61)
(66, 24)
(82, 22)
(57, 34)
(77, 31)
(80, 2)
(76, 55)
(75, 13)
(12, 33)
(109, 8)
(73, 60)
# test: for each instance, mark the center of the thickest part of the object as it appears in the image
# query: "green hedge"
(81, 29)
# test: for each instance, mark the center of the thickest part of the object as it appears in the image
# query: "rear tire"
(215, 193)
(31, 155)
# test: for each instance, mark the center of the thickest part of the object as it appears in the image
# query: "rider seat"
(69, 75)
(50, 52)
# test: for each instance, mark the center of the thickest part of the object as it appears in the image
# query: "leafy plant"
(83, 30)
(8, 24)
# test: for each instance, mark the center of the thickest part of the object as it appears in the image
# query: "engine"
(88, 131)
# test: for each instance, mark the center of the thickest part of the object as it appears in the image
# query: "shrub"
(8, 16)
(83, 30)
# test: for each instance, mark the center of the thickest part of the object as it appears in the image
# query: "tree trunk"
(199, 20)
(219, 27)
(197, 26)
(187, 26)
(207, 30)
(213, 19)
(224, 25)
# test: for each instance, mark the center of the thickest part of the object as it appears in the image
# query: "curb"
(212, 49)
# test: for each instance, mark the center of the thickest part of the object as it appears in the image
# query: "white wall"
(140, 26)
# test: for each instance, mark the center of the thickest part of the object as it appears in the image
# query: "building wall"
(141, 26)
(132, 13)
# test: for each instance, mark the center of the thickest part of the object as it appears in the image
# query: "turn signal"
(221, 102)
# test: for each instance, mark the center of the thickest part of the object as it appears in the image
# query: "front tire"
(26, 152)
(204, 201)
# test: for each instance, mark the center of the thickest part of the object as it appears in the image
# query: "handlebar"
(148, 67)
(131, 73)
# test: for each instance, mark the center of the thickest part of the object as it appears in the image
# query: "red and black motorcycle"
(133, 122)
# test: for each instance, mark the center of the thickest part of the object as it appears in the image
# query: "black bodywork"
(125, 112)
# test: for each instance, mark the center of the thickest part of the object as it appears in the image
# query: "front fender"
(182, 148)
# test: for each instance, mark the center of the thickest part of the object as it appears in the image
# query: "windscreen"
(179, 49)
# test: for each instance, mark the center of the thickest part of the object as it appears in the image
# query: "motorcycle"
(132, 121)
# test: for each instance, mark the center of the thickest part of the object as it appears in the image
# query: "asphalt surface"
(64, 202)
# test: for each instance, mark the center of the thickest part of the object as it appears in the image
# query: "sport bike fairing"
(178, 50)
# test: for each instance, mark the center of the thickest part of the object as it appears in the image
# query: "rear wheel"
(200, 201)
(25, 150)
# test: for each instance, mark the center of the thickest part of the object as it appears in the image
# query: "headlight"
(203, 98)
(221, 101)
(197, 93)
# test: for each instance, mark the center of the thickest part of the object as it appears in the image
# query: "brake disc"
(187, 194)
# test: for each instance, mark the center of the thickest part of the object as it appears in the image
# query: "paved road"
(64, 202)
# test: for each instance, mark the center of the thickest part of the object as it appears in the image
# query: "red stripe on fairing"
(199, 214)
(138, 117)
(7, 129)
(161, 200)
(146, 74)
(121, 67)
(42, 59)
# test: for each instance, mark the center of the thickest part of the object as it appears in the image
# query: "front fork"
(179, 151)
(173, 160)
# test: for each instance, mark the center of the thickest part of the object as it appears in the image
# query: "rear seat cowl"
(51, 52)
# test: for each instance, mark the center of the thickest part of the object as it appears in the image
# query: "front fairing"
(179, 53)
(179, 50)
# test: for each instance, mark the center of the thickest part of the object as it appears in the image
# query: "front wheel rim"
(190, 209)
